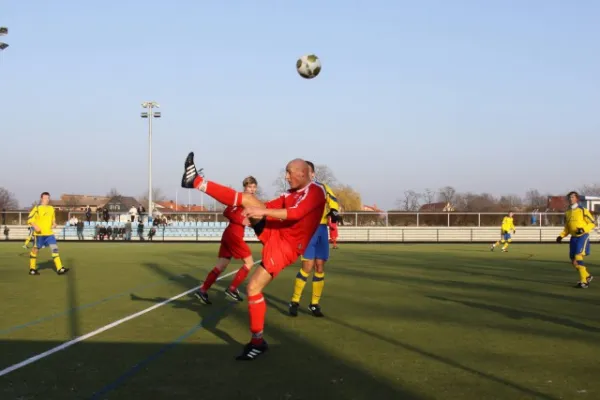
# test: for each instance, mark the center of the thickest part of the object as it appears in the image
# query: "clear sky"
(495, 96)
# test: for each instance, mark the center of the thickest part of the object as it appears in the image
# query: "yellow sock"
(583, 274)
(57, 262)
(299, 284)
(317, 287)
(32, 261)
(505, 246)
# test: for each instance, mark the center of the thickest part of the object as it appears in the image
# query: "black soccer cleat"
(62, 271)
(315, 309)
(234, 294)
(581, 285)
(293, 308)
(190, 172)
(252, 351)
(203, 297)
(33, 272)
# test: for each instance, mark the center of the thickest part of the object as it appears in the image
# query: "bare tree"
(157, 195)
(533, 199)
(280, 183)
(8, 201)
(324, 174)
(510, 201)
(590, 190)
(113, 192)
(410, 202)
(447, 194)
(428, 196)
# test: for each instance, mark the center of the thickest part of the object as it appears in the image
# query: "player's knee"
(307, 266)
(320, 266)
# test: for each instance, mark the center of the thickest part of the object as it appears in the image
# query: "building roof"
(170, 205)
(440, 206)
(557, 203)
(80, 200)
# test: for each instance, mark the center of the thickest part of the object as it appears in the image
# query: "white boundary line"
(98, 331)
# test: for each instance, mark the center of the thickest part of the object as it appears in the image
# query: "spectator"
(105, 214)
(140, 230)
(128, 230)
(6, 230)
(132, 213)
(88, 215)
(80, 230)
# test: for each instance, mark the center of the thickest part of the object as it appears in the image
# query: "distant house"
(171, 206)
(557, 204)
(437, 207)
(118, 206)
(79, 202)
(372, 208)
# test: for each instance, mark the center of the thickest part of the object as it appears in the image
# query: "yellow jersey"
(508, 224)
(331, 203)
(576, 218)
(44, 218)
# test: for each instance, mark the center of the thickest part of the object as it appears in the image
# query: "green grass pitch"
(438, 321)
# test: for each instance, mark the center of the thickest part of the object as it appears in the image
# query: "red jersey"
(236, 228)
(305, 209)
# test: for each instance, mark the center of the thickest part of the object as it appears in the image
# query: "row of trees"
(484, 202)
(348, 198)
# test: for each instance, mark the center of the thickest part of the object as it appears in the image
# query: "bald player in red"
(284, 226)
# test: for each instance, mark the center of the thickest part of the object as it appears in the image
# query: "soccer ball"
(308, 66)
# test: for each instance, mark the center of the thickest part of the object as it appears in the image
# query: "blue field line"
(133, 370)
(87, 305)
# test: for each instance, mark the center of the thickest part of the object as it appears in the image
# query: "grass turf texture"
(402, 321)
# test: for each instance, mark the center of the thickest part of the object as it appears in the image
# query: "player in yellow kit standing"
(316, 255)
(42, 219)
(578, 223)
(508, 226)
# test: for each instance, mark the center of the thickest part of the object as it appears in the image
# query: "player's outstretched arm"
(313, 200)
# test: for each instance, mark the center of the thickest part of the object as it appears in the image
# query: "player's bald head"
(297, 173)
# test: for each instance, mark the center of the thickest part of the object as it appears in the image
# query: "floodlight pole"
(149, 105)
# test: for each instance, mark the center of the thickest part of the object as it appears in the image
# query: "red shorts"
(277, 253)
(234, 248)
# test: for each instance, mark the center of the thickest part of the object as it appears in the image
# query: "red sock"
(210, 279)
(222, 194)
(239, 277)
(257, 308)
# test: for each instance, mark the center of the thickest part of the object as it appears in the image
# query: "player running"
(232, 246)
(284, 225)
(42, 219)
(316, 255)
(578, 223)
(508, 226)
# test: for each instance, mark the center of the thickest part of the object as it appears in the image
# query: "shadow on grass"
(518, 314)
(281, 305)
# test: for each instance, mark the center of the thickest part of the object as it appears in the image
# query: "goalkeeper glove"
(559, 239)
(579, 231)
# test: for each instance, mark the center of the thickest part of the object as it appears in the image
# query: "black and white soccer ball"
(308, 66)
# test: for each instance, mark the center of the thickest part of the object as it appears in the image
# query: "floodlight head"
(3, 30)
(144, 115)
(3, 46)
(156, 114)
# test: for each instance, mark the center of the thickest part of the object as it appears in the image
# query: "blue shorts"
(318, 248)
(44, 241)
(505, 235)
(579, 245)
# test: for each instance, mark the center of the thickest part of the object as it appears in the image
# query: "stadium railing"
(356, 219)
(212, 232)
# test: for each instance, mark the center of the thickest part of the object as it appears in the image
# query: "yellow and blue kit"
(43, 216)
(579, 222)
(508, 226)
(318, 248)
